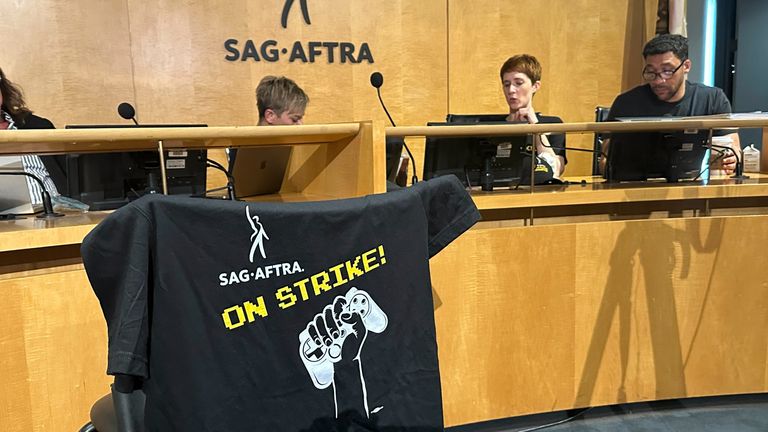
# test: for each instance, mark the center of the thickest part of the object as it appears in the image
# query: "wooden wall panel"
(167, 57)
(590, 51)
(545, 318)
(53, 324)
(72, 60)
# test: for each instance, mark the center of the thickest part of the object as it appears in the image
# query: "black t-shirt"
(699, 100)
(557, 141)
(310, 316)
(31, 121)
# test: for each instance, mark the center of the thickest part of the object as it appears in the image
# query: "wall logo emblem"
(287, 10)
(297, 51)
(259, 235)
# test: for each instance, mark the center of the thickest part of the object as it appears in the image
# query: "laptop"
(14, 191)
(673, 156)
(259, 170)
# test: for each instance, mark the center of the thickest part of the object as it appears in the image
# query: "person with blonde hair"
(280, 101)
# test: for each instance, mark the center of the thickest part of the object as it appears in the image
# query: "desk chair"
(122, 410)
(601, 115)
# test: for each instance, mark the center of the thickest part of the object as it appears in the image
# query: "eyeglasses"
(665, 75)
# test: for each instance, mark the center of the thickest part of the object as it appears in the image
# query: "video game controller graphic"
(321, 342)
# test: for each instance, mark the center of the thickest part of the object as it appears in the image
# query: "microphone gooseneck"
(377, 80)
(47, 205)
(386, 111)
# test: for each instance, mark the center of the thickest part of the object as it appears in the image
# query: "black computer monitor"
(485, 161)
(673, 156)
(476, 118)
(107, 181)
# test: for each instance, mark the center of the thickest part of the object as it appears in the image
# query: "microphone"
(377, 80)
(47, 205)
(127, 112)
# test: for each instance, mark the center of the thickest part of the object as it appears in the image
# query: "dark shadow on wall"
(634, 246)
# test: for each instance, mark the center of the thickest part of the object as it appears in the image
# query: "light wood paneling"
(181, 73)
(590, 51)
(53, 336)
(72, 59)
(31, 233)
(621, 311)
(167, 57)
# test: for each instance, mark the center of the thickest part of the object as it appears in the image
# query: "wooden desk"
(573, 296)
(53, 343)
(336, 160)
(53, 339)
(614, 293)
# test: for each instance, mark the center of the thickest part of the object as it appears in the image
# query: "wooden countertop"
(129, 139)
(712, 122)
(31, 232)
(595, 191)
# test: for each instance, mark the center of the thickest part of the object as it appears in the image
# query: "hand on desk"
(729, 162)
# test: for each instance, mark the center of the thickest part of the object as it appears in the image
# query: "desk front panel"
(544, 318)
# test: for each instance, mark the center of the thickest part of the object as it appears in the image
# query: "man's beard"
(667, 92)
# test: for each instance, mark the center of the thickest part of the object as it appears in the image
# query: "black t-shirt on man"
(278, 316)
(699, 100)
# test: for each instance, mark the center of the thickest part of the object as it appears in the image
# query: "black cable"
(720, 155)
(738, 173)
(230, 181)
(575, 149)
(600, 152)
(214, 164)
(535, 428)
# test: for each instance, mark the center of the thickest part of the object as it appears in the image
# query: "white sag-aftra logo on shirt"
(258, 237)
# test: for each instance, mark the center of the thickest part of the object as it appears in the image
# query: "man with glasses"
(668, 93)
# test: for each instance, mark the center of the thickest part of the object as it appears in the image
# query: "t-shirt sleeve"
(616, 108)
(721, 104)
(116, 255)
(556, 140)
(449, 210)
